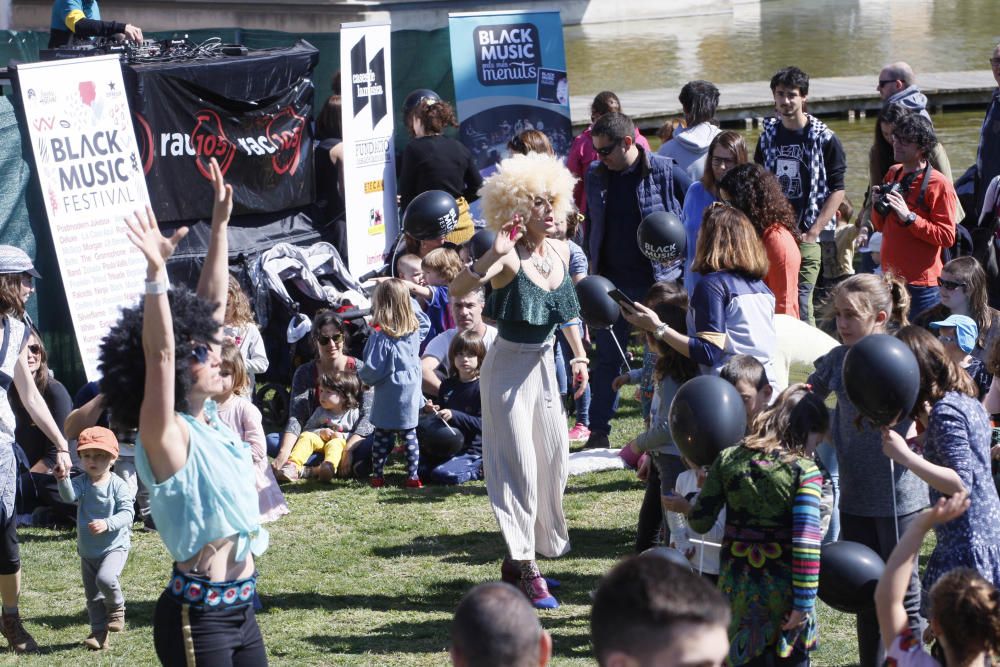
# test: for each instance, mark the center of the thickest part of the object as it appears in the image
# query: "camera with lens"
(881, 196)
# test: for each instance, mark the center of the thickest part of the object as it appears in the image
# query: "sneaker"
(377, 482)
(509, 574)
(116, 620)
(309, 472)
(597, 440)
(538, 592)
(15, 634)
(287, 473)
(579, 433)
(413, 483)
(97, 641)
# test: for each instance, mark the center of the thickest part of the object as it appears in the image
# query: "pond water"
(823, 37)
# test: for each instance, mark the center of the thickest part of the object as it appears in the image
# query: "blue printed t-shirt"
(214, 495)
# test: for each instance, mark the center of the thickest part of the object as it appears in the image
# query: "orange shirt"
(783, 262)
(914, 252)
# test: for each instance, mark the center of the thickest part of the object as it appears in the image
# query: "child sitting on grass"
(326, 430)
(104, 530)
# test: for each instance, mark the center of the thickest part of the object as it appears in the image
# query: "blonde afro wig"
(516, 183)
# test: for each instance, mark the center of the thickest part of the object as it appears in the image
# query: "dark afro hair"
(123, 364)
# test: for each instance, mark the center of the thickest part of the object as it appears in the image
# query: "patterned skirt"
(756, 577)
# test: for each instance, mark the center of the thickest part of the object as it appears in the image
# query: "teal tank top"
(214, 495)
(527, 313)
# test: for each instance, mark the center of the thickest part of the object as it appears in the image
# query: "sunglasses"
(35, 349)
(326, 340)
(883, 84)
(200, 353)
(950, 284)
(607, 150)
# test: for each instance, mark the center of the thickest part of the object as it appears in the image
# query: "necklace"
(542, 265)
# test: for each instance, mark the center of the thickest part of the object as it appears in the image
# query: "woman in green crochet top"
(525, 445)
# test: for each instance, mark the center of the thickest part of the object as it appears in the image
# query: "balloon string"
(895, 513)
(620, 350)
(701, 559)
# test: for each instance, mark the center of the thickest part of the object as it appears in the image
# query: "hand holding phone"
(620, 297)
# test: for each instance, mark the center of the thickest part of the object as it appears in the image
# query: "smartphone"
(620, 297)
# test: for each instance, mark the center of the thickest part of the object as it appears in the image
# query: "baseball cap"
(15, 260)
(874, 243)
(97, 437)
(966, 330)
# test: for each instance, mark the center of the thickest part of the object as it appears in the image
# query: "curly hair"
(757, 192)
(434, 115)
(881, 154)
(938, 373)
(123, 363)
(916, 129)
(521, 178)
(791, 77)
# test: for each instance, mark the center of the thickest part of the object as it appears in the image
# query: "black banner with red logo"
(251, 113)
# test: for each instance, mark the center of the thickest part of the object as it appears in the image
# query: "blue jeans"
(564, 351)
(922, 297)
(607, 366)
(828, 456)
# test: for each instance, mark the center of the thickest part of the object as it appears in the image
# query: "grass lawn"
(356, 576)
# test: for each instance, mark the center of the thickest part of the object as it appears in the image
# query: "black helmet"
(415, 97)
(430, 215)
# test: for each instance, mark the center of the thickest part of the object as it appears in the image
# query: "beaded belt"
(199, 592)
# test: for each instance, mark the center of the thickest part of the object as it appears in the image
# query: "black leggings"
(186, 636)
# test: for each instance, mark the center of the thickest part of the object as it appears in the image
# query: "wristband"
(473, 271)
(661, 331)
(580, 360)
(155, 287)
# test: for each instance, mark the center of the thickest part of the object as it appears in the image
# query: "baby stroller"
(290, 283)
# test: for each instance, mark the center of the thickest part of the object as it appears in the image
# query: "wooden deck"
(741, 103)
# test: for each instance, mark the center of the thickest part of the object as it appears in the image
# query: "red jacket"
(914, 252)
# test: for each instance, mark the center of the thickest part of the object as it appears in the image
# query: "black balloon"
(480, 243)
(661, 237)
(706, 416)
(430, 215)
(668, 553)
(413, 99)
(597, 308)
(882, 378)
(848, 574)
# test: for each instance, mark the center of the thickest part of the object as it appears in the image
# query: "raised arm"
(161, 436)
(493, 262)
(214, 280)
(891, 589)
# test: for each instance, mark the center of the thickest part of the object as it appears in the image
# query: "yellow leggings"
(310, 443)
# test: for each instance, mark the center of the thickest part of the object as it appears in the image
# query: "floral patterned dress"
(958, 437)
(769, 563)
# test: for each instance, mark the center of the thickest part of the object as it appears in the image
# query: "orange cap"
(97, 437)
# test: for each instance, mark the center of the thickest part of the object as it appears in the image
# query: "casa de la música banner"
(91, 176)
(510, 76)
(369, 156)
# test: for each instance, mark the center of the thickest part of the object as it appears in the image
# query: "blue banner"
(510, 76)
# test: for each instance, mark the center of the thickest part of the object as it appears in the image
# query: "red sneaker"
(377, 482)
(414, 483)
